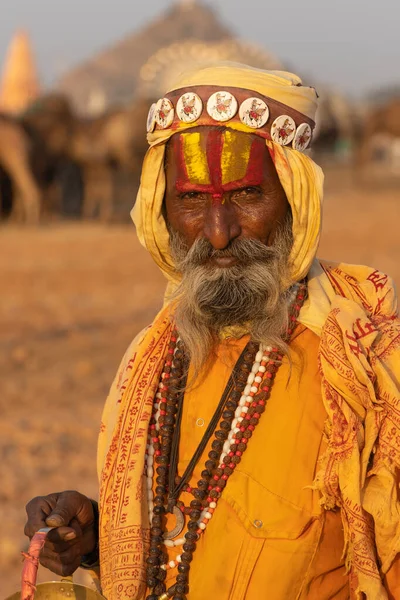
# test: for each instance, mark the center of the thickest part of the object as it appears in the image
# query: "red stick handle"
(31, 564)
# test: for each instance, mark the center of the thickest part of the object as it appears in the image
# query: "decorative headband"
(209, 105)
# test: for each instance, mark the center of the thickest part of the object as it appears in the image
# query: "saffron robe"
(277, 529)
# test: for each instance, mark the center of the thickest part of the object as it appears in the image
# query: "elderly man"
(250, 441)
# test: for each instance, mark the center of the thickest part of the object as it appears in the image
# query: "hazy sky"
(354, 44)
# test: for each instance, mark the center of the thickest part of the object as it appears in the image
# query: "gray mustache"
(244, 250)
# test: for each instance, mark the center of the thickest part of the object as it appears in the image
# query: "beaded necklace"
(242, 405)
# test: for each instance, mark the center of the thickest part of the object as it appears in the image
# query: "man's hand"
(75, 536)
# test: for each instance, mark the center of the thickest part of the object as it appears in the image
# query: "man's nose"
(221, 225)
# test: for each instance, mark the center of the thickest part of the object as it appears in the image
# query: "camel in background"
(99, 147)
(20, 194)
(379, 147)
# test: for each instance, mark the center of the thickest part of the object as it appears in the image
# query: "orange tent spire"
(20, 84)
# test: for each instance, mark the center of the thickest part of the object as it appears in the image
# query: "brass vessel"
(61, 590)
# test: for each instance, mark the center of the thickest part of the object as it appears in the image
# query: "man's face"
(221, 186)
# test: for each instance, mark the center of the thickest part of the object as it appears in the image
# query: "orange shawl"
(360, 340)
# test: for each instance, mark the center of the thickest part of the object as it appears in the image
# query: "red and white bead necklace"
(249, 409)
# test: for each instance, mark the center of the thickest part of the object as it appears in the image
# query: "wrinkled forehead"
(217, 159)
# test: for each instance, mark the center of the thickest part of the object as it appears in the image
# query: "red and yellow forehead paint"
(217, 161)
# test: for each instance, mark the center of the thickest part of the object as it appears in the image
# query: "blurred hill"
(383, 95)
(116, 71)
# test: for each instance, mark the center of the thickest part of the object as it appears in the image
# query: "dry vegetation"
(73, 296)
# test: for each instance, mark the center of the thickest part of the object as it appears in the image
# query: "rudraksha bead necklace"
(240, 409)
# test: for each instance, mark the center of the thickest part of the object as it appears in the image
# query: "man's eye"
(246, 193)
(190, 195)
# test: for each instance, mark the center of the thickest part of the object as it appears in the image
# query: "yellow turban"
(300, 177)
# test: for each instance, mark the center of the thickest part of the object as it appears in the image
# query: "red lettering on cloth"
(378, 279)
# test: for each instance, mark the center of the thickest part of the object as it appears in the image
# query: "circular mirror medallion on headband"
(151, 118)
(283, 130)
(254, 112)
(302, 137)
(164, 113)
(222, 106)
(189, 107)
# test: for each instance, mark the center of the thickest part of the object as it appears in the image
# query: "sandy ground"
(73, 296)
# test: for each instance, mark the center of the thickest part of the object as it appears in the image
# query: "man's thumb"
(55, 520)
(63, 512)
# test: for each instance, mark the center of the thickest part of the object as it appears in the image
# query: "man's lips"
(223, 261)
